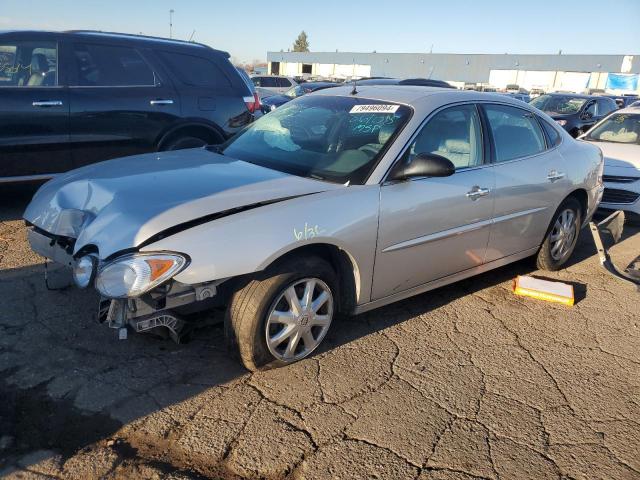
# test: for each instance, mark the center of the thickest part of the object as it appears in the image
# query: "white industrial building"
(616, 73)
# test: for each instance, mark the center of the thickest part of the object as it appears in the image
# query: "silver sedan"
(339, 202)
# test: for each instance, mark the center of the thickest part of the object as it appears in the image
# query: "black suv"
(575, 113)
(73, 98)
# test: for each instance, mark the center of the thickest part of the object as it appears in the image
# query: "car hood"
(620, 155)
(118, 204)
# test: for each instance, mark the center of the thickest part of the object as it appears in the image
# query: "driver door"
(430, 228)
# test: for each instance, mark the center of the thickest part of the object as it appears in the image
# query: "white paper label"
(374, 109)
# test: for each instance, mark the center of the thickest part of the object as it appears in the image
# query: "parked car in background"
(275, 83)
(523, 97)
(635, 104)
(618, 136)
(73, 98)
(422, 82)
(256, 108)
(536, 92)
(574, 112)
(337, 202)
(623, 101)
(275, 101)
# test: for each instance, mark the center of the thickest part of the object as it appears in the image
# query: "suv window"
(283, 82)
(110, 66)
(516, 132)
(28, 64)
(195, 71)
(454, 133)
(605, 107)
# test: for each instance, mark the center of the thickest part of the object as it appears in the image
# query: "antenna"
(355, 87)
(192, 34)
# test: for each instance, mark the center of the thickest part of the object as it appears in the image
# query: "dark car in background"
(274, 101)
(622, 101)
(73, 98)
(574, 112)
(422, 82)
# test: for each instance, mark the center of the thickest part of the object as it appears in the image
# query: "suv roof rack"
(138, 36)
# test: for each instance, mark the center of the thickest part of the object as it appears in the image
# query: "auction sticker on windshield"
(374, 108)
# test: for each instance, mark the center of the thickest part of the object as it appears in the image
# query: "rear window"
(195, 71)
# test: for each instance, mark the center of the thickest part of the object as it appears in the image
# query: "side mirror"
(423, 165)
(587, 116)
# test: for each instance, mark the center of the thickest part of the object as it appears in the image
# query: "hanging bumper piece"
(613, 226)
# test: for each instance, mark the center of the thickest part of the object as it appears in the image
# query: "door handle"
(477, 192)
(555, 175)
(47, 103)
(161, 102)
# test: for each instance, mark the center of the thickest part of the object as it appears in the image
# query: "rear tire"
(562, 236)
(264, 327)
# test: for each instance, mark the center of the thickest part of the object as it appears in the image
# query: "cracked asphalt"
(468, 381)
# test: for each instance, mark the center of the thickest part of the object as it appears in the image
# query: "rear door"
(120, 104)
(430, 228)
(530, 176)
(34, 109)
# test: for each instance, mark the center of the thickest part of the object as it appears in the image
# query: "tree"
(302, 43)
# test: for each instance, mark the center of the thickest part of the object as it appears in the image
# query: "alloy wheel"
(563, 234)
(299, 319)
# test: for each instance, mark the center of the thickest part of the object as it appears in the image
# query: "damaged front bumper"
(160, 310)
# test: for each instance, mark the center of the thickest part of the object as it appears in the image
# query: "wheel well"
(209, 134)
(583, 199)
(343, 264)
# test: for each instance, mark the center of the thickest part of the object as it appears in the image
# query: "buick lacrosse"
(338, 202)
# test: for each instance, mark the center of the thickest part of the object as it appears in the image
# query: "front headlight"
(135, 274)
(562, 123)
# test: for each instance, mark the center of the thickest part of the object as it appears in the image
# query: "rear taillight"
(253, 103)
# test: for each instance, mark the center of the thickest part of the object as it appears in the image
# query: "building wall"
(531, 70)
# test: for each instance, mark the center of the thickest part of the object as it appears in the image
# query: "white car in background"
(275, 83)
(618, 136)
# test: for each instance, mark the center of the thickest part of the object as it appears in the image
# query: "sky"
(248, 29)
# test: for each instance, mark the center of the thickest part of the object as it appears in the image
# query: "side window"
(195, 71)
(284, 82)
(591, 109)
(28, 64)
(454, 133)
(552, 133)
(109, 66)
(604, 107)
(269, 82)
(516, 132)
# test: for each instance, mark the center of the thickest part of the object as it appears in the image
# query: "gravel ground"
(468, 381)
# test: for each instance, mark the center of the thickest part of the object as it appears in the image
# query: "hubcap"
(563, 235)
(299, 319)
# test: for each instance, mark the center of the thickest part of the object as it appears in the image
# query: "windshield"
(558, 104)
(339, 139)
(618, 128)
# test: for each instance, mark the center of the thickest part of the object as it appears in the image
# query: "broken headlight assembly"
(135, 274)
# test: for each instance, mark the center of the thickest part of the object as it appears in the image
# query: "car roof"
(121, 37)
(635, 110)
(410, 94)
(573, 95)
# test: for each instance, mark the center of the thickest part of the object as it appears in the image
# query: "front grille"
(619, 179)
(613, 195)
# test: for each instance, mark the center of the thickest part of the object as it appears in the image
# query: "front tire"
(181, 143)
(562, 236)
(282, 316)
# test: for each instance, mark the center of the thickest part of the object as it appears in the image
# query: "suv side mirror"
(423, 165)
